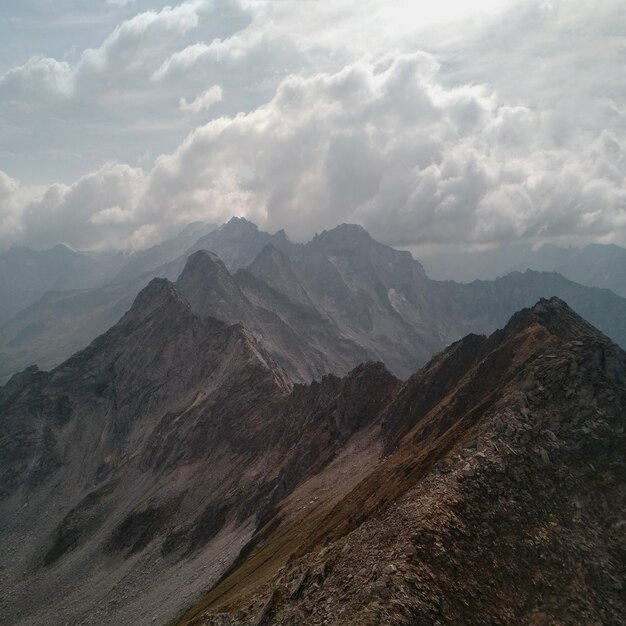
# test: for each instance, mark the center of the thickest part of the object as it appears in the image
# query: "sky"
(436, 126)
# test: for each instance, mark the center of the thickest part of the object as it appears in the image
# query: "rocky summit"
(174, 472)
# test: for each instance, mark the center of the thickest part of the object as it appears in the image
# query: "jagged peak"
(556, 316)
(344, 232)
(202, 260)
(203, 266)
(240, 224)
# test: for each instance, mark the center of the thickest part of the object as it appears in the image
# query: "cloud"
(180, 61)
(400, 153)
(204, 101)
(497, 128)
(93, 212)
(130, 45)
(39, 78)
(133, 38)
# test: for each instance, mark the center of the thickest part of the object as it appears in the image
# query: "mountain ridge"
(371, 301)
(469, 455)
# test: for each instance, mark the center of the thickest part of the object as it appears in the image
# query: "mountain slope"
(141, 466)
(596, 265)
(498, 500)
(374, 294)
(299, 338)
(165, 252)
(27, 274)
(483, 306)
(237, 242)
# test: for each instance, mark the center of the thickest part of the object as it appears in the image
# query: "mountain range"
(595, 265)
(320, 307)
(173, 470)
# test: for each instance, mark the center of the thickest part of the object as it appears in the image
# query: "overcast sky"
(429, 123)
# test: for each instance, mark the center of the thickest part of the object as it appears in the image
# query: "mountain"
(237, 242)
(376, 295)
(319, 307)
(496, 497)
(26, 274)
(60, 323)
(596, 265)
(299, 338)
(483, 306)
(155, 453)
(173, 463)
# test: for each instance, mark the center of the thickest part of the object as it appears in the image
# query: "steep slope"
(131, 448)
(343, 296)
(60, 323)
(57, 324)
(275, 269)
(498, 500)
(25, 275)
(374, 294)
(298, 338)
(137, 470)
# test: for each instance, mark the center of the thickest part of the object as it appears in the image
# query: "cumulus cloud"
(401, 154)
(514, 129)
(131, 40)
(38, 78)
(124, 49)
(204, 101)
(94, 212)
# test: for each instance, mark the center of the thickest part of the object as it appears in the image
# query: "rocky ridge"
(137, 470)
(499, 500)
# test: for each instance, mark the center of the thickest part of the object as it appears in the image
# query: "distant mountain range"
(320, 307)
(25, 275)
(596, 265)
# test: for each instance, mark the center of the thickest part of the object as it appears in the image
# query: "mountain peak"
(556, 317)
(240, 224)
(159, 293)
(203, 260)
(205, 273)
(344, 233)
